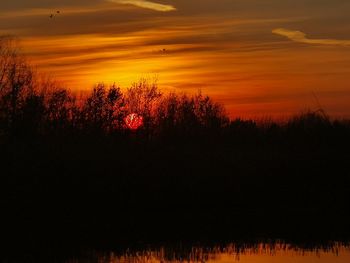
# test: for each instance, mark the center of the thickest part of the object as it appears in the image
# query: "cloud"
(301, 37)
(146, 4)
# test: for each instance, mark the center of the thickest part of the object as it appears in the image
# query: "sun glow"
(236, 61)
(133, 121)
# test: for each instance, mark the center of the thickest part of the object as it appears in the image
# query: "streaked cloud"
(146, 4)
(301, 37)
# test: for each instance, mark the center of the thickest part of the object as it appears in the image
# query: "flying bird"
(57, 12)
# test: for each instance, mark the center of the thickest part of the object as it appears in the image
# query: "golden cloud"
(301, 37)
(146, 4)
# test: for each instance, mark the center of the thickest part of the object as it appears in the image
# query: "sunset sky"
(257, 57)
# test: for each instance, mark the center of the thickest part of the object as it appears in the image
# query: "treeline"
(29, 111)
(31, 106)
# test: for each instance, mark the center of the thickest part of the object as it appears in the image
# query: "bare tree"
(142, 98)
(209, 113)
(7, 53)
(60, 106)
(114, 108)
(16, 79)
(104, 108)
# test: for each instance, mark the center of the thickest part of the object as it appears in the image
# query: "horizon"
(257, 59)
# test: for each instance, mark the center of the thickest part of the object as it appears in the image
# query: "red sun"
(133, 121)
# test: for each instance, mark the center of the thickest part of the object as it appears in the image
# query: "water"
(258, 253)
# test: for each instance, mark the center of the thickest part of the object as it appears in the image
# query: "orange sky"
(258, 59)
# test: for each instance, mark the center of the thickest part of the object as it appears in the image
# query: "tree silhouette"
(142, 98)
(16, 81)
(104, 109)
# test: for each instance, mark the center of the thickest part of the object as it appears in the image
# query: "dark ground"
(101, 192)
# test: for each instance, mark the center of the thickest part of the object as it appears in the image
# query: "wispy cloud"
(301, 37)
(146, 4)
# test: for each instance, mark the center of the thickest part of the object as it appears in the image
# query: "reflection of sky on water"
(261, 253)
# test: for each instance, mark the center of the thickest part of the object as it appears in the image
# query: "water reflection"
(258, 253)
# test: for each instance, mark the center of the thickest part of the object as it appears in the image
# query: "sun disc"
(133, 121)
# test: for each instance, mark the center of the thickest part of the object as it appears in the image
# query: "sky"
(260, 58)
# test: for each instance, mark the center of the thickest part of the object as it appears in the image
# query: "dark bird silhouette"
(57, 12)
